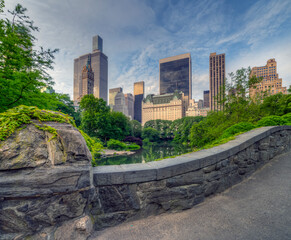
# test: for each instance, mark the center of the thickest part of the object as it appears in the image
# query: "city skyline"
(136, 34)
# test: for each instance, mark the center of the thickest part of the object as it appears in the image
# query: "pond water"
(148, 153)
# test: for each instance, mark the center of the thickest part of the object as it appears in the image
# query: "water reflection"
(149, 153)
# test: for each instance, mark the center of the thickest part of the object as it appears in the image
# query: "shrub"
(135, 140)
(271, 121)
(287, 118)
(150, 133)
(237, 128)
(133, 146)
(116, 145)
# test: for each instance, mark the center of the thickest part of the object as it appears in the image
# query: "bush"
(132, 147)
(116, 145)
(237, 128)
(151, 134)
(287, 118)
(135, 140)
(271, 121)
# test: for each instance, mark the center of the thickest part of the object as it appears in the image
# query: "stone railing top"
(157, 170)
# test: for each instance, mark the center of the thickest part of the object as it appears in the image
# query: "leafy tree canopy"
(23, 69)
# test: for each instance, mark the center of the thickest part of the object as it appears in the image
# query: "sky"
(137, 33)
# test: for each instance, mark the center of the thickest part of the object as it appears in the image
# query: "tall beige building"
(99, 65)
(271, 83)
(216, 80)
(168, 106)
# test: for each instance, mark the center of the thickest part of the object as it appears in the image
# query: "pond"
(148, 153)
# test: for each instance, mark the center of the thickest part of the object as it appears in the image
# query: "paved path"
(258, 208)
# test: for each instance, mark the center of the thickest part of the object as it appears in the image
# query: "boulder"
(44, 180)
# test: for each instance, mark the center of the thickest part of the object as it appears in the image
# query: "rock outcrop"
(44, 181)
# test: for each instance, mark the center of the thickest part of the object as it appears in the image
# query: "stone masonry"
(129, 192)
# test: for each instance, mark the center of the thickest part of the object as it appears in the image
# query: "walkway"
(258, 208)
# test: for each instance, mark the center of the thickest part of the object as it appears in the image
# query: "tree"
(98, 121)
(23, 70)
(151, 134)
(94, 115)
(136, 128)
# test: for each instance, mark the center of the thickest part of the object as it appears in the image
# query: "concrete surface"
(257, 208)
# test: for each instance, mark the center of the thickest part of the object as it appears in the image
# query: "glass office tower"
(176, 74)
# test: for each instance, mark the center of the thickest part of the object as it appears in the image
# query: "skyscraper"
(176, 74)
(271, 83)
(216, 80)
(138, 92)
(99, 66)
(206, 98)
(87, 83)
(129, 102)
(112, 93)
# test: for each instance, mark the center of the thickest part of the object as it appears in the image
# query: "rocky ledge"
(44, 182)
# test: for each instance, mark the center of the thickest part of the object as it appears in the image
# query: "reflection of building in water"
(271, 83)
(165, 107)
(176, 74)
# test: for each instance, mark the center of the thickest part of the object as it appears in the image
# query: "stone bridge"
(48, 190)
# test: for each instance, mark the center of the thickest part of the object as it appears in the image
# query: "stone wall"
(49, 191)
(129, 192)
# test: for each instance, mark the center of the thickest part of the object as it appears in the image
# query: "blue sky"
(137, 33)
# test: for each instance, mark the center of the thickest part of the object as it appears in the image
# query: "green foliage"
(98, 121)
(95, 147)
(278, 104)
(181, 128)
(132, 147)
(287, 118)
(14, 118)
(237, 128)
(162, 126)
(136, 128)
(117, 145)
(151, 134)
(23, 69)
(271, 121)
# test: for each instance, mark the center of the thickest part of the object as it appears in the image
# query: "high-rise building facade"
(129, 102)
(176, 74)
(120, 105)
(206, 98)
(138, 92)
(271, 83)
(99, 66)
(216, 80)
(112, 93)
(87, 83)
(168, 106)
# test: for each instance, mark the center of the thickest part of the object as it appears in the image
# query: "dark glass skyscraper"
(176, 74)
